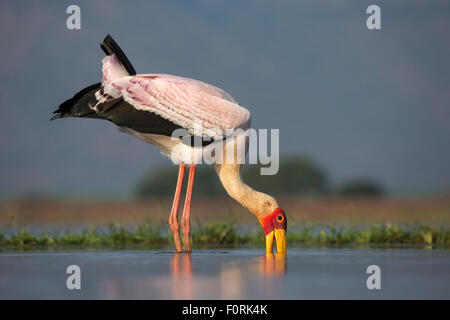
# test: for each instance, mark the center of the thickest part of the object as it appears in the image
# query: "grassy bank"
(426, 210)
(229, 234)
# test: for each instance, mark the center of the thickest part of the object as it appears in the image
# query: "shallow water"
(306, 273)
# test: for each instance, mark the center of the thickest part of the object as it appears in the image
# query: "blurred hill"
(297, 175)
(360, 187)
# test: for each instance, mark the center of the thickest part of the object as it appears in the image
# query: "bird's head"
(275, 226)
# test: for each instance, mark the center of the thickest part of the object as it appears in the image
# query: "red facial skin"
(275, 220)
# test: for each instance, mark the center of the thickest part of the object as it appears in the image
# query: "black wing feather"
(124, 114)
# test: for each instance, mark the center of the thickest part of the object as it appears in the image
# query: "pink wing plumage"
(203, 109)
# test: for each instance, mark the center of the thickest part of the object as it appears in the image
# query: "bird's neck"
(258, 203)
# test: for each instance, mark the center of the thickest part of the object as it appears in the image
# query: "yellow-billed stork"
(152, 106)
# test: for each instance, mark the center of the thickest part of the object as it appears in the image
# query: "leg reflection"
(181, 276)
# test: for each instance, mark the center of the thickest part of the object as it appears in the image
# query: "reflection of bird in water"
(273, 264)
(181, 276)
(273, 268)
(153, 107)
(233, 280)
(181, 265)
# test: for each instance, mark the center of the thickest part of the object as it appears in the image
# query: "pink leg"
(185, 219)
(173, 218)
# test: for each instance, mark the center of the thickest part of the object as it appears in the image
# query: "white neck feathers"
(258, 203)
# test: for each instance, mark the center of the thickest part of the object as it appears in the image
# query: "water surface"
(306, 273)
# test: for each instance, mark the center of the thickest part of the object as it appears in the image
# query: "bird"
(153, 107)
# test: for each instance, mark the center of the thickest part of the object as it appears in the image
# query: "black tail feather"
(78, 105)
(109, 46)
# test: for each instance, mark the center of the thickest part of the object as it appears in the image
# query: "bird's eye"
(280, 218)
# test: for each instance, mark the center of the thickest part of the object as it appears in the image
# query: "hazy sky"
(360, 102)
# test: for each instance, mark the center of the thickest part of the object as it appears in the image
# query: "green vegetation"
(228, 234)
(115, 234)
